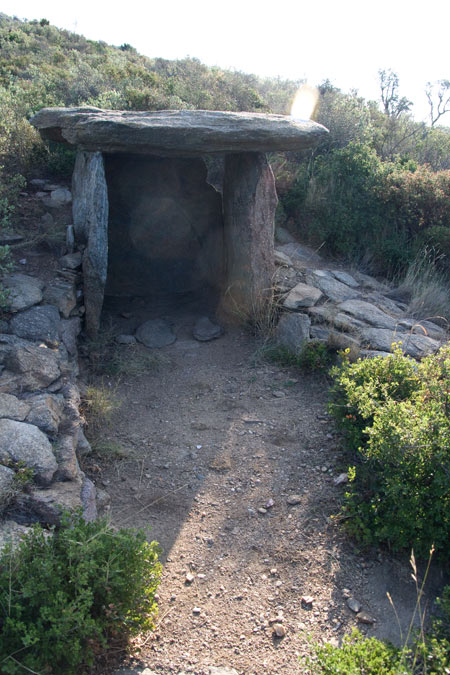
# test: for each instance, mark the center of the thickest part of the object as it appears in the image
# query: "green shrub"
(64, 597)
(395, 417)
(359, 656)
(428, 654)
(313, 356)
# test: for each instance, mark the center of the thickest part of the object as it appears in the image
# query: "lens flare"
(305, 102)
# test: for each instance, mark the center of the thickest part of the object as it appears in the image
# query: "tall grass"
(426, 287)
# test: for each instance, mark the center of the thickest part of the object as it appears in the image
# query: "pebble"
(196, 610)
(279, 630)
(341, 479)
(363, 617)
(353, 604)
(269, 504)
(279, 394)
(294, 499)
(189, 578)
(261, 510)
(307, 600)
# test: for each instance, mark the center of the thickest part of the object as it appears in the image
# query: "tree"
(438, 95)
(393, 105)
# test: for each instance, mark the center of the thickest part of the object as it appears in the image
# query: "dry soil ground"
(215, 442)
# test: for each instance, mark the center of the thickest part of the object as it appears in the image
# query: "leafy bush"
(359, 656)
(64, 597)
(428, 654)
(395, 417)
(313, 356)
(369, 210)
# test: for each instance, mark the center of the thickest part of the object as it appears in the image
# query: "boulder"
(24, 291)
(155, 333)
(65, 451)
(83, 446)
(302, 295)
(293, 331)
(13, 408)
(381, 339)
(60, 197)
(38, 323)
(47, 505)
(282, 259)
(6, 481)
(331, 287)
(368, 313)
(21, 442)
(12, 533)
(205, 329)
(345, 278)
(333, 317)
(176, 132)
(62, 294)
(69, 331)
(35, 365)
(71, 261)
(46, 412)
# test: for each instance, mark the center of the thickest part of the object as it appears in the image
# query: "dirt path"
(215, 445)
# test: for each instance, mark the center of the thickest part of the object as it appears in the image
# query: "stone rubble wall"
(40, 423)
(323, 302)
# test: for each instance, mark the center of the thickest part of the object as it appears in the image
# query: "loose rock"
(155, 333)
(205, 330)
(353, 604)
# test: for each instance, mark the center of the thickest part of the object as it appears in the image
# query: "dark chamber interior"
(165, 228)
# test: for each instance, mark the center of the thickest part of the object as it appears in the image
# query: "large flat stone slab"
(382, 339)
(369, 313)
(176, 132)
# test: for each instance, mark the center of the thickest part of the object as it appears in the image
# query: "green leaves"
(64, 596)
(395, 417)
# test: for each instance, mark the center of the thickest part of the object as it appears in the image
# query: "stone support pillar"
(249, 203)
(90, 217)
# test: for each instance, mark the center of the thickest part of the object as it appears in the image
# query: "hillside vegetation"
(375, 191)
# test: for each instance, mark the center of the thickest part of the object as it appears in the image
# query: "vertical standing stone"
(90, 217)
(249, 203)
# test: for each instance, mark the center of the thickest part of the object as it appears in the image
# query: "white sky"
(346, 41)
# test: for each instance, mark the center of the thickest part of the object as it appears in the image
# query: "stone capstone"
(24, 291)
(176, 132)
(22, 442)
(155, 333)
(38, 323)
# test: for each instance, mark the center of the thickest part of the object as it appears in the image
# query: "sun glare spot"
(305, 102)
